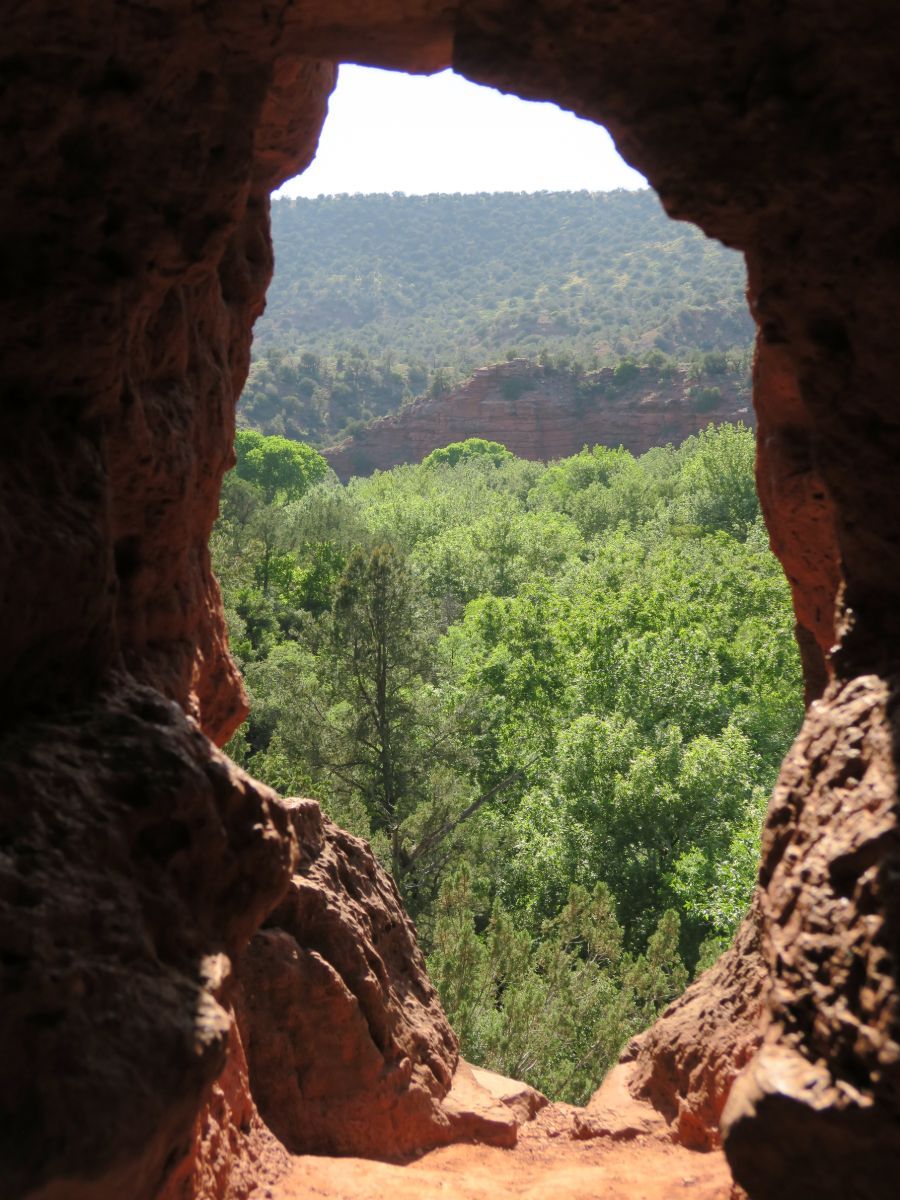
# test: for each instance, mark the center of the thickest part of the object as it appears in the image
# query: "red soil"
(549, 1161)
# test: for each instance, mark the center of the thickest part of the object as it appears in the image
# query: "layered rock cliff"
(138, 148)
(544, 414)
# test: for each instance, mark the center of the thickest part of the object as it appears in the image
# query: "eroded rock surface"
(234, 1155)
(828, 1073)
(138, 150)
(547, 1162)
(798, 508)
(538, 415)
(348, 1048)
(686, 1063)
(135, 861)
(139, 143)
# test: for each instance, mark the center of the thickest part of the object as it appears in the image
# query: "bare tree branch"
(433, 839)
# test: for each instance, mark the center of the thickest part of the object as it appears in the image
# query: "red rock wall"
(138, 145)
(819, 1100)
(538, 415)
(137, 861)
(686, 1064)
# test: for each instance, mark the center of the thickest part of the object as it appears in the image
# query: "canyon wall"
(542, 414)
(138, 147)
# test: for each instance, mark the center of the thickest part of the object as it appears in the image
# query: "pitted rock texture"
(348, 1048)
(829, 1069)
(686, 1063)
(138, 151)
(134, 258)
(234, 1155)
(138, 146)
(135, 861)
(538, 415)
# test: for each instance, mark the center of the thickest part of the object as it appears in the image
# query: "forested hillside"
(554, 697)
(378, 299)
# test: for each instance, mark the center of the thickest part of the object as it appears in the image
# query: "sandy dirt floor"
(549, 1163)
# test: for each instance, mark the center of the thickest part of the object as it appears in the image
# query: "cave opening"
(698, 756)
(161, 910)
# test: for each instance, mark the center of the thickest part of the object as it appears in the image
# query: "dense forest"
(553, 697)
(379, 299)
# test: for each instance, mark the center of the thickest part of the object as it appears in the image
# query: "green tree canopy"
(555, 699)
(475, 447)
(282, 470)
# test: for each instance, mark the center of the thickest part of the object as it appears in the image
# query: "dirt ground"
(549, 1161)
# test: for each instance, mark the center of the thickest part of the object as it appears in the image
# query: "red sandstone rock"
(234, 1155)
(135, 861)
(138, 145)
(686, 1063)
(546, 1163)
(537, 414)
(523, 1101)
(348, 1049)
(828, 1073)
(476, 1109)
(615, 1113)
(797, 508)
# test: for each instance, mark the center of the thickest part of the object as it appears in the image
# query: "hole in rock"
(494, 564)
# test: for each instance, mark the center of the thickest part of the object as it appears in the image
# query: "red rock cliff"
(542, 414)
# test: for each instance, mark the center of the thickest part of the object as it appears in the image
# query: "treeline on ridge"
(379, 299)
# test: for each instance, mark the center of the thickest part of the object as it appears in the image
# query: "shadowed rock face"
(135, 860)
(334, 986)
(827, 1074)
(139, 145)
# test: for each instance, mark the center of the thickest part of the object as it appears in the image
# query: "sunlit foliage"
(554, 697)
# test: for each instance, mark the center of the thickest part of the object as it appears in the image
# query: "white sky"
(388, 132)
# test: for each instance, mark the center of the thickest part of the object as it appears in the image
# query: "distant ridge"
(379, 299)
